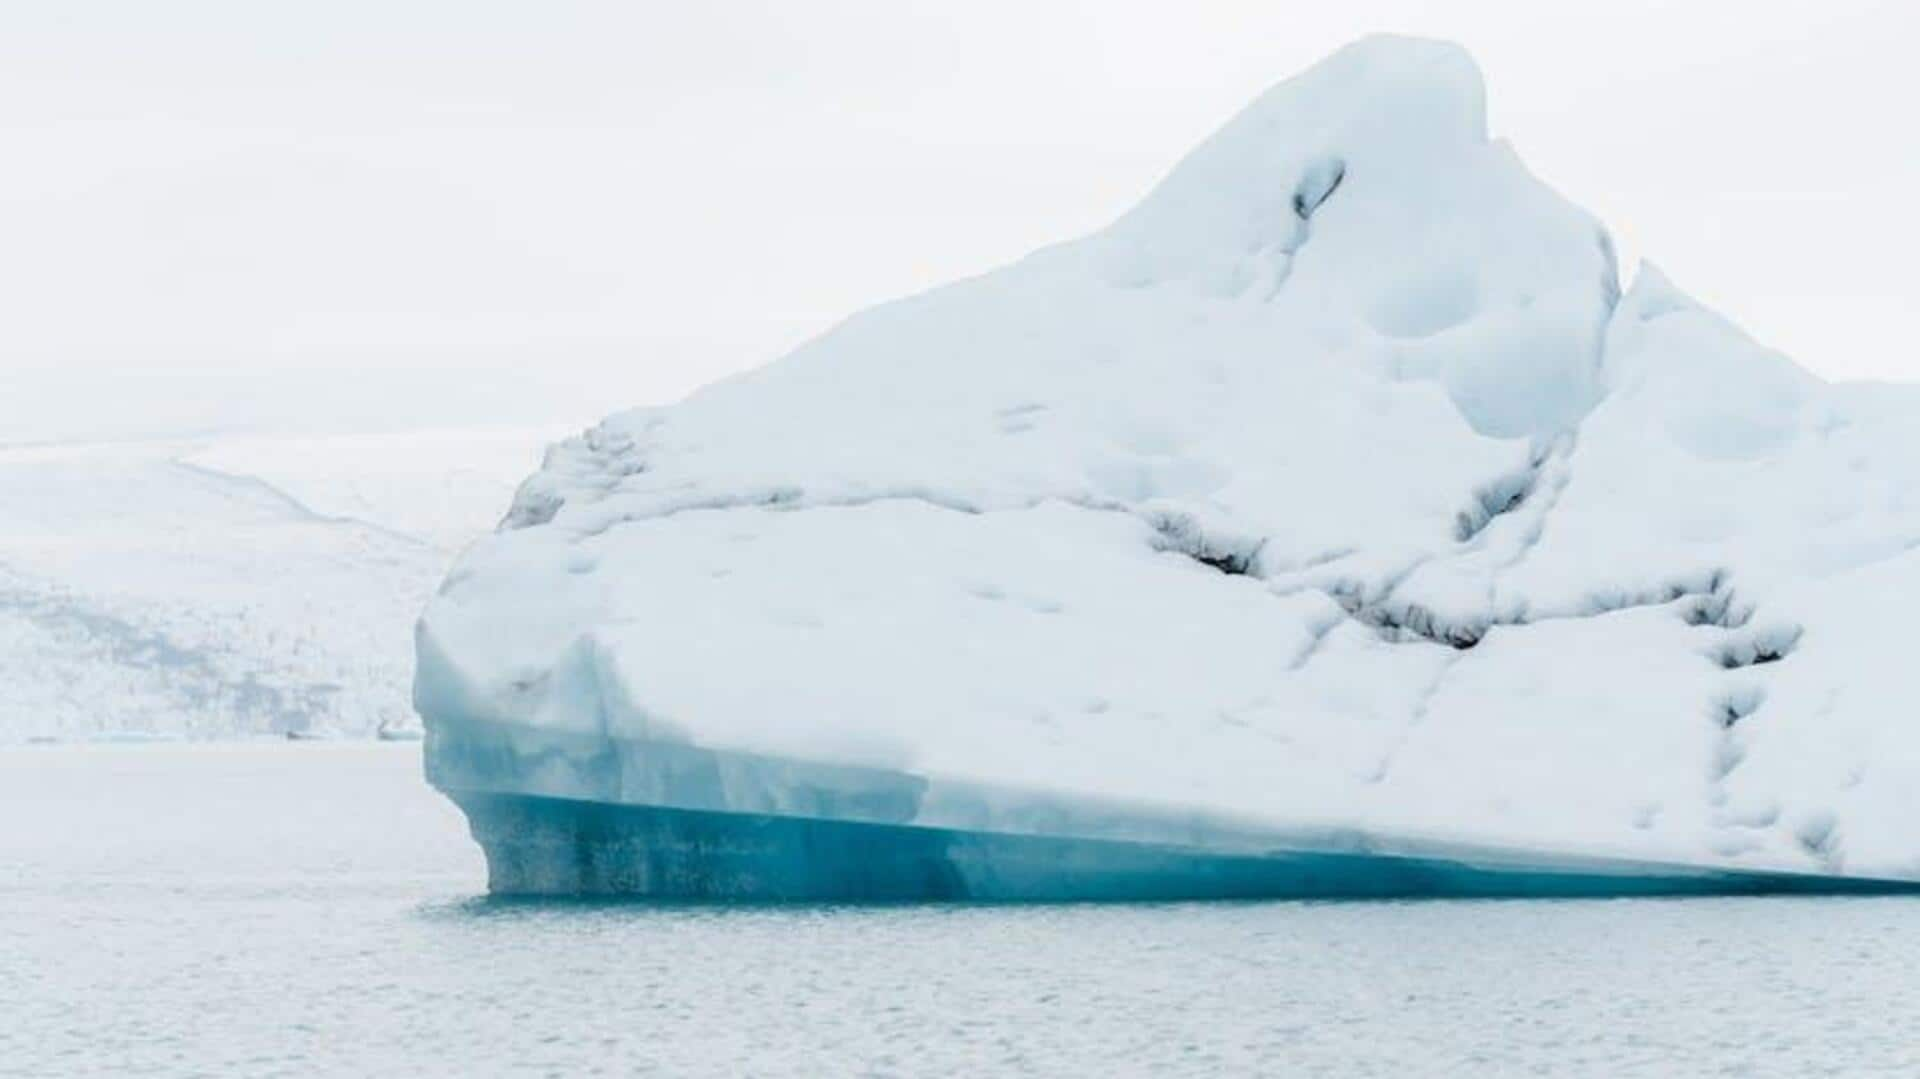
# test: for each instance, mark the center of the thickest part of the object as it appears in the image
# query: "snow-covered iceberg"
(1331, 523)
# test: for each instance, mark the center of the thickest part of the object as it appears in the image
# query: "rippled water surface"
(314, 909)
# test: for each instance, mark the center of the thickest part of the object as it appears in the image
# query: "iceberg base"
(541, 846)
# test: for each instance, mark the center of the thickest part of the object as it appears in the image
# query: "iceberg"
(1332, 523)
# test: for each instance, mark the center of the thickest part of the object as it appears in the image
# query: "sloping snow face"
(230, 586)
(1334, 487)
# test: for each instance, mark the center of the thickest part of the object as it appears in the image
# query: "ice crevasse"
(1329, 523)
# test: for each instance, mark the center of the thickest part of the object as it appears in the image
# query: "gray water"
(313, 909)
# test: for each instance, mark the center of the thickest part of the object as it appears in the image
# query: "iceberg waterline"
(1336, 485)
(604, 816)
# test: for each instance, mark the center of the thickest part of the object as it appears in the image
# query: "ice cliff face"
(1336, 483)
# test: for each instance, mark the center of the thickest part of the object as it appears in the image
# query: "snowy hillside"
(1337, 483)
(231, 586)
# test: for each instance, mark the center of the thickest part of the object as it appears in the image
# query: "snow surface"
(230, 586)
(1336, 483)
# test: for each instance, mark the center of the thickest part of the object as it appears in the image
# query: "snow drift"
(1334, 490)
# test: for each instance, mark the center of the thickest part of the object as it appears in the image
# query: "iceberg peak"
(1384, 105)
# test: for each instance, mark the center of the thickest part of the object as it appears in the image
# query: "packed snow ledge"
(1336, 489)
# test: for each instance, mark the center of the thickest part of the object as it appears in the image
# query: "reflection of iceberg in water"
(734, 826)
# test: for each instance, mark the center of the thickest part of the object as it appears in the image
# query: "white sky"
(381, 213)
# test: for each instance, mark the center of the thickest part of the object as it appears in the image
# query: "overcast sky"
(375, 214)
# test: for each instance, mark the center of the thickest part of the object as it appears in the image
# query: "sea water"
(314, 908)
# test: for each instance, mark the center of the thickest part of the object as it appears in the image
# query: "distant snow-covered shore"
(232, 587)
